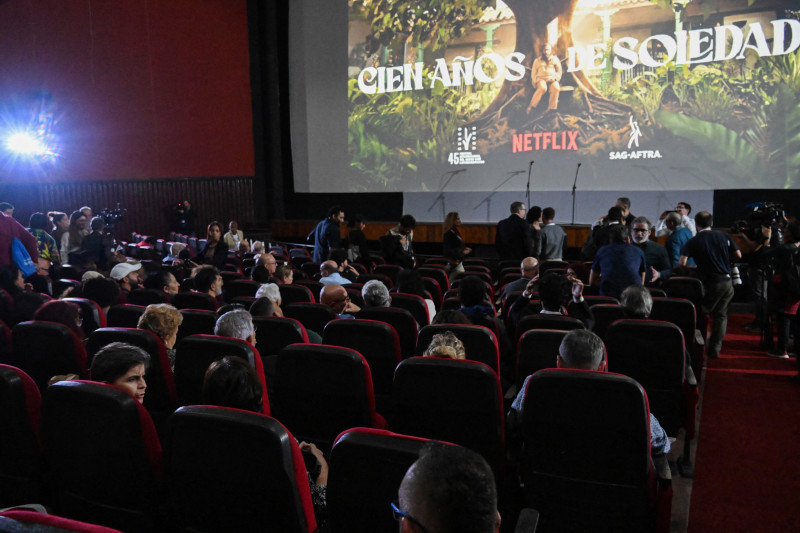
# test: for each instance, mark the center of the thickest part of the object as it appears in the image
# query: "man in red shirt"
(10, 228)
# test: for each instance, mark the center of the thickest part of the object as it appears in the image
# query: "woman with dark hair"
(357, 247)
(62, 312)
(410, 282)
(454, 248)
(579, 270)
(232, 382)
(215, 251)
(123, 366)
(73, 238)
(48, 249)
(534, 218)
(60, 225)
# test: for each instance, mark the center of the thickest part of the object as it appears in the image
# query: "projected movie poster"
(635, 95)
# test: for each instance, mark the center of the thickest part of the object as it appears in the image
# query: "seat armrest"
(528, 521)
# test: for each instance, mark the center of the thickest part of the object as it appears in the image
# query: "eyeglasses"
(345, 299)
(400, 514)
(641, 230)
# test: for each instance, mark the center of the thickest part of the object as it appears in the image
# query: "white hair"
(271, 291)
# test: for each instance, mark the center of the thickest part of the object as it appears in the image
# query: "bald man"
(329, 270)
(448, 489)
(335, 296)
(530, 269)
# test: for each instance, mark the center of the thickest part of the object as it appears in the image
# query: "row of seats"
(104, 461)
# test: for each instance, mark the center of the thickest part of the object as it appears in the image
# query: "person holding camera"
(785, 284)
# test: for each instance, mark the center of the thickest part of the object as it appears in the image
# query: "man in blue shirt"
(330, 274)
(619, 264)
(327, 234)
(678, 236)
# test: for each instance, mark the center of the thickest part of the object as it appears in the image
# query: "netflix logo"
(545, 140)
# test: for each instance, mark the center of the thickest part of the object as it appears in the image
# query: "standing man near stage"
(514, 239)
(714, 252)
(545, 75)
(327, 234)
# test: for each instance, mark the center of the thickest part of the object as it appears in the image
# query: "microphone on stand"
(574, 186)
(528, 185)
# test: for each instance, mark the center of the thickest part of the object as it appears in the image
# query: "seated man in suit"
(449, 488)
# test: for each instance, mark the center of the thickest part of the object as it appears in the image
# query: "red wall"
(140, 88)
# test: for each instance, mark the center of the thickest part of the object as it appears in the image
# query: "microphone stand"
(528, 186)
(440, 197)
(488, 199)
(574, 186)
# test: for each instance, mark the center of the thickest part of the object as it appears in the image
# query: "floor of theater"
(746, 474)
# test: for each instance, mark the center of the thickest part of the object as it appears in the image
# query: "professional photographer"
(784, 288)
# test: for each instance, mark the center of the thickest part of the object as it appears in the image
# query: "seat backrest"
(480, 342)
(595, 300)
(401, 320)
(451, 304)
(611, 471)
(680, 312)
(540, 321)
(605, 315)
(197, 322)
(366, 469)
(5, 342)
(436, 273)
(91, 313)
(321, 391)
(240, 287)
(20, 449)
(274, 333)
(194, 300)
(652, 353)
(295, 294)
(685, 287)
(124, 315)
(216, 487)
(433, 288)
(161, 396)
(46, 349)
(312, 285)
(413, 304)
(386, 280)
(94, 436)
(21, 520)
(450, 400)
(392, 271)
(146, 297)
(377, 342)
(312, 316)
(355, 296)
(193, 356)
(537, 349)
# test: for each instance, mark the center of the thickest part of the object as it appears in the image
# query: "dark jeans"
(715, 304)
(786, 324)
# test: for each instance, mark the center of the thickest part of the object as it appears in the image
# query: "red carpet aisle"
(747, 474)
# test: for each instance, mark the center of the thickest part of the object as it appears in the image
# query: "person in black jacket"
(514, 235)
(215, 252)
(453, 244)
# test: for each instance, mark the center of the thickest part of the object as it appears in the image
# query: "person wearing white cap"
(127, 275)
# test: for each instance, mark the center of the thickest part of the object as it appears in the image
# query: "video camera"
(762, 214)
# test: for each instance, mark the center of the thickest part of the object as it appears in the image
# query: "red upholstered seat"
(46, 349)
(274, 333)
(21, 520)
(480, 342)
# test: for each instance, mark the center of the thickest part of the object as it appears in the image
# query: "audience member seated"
(258, 247)
(559, 295)
(163, 320)
(580, 271)
(446, 346)
(25, 302)
(123, 366)
(478, 309)
(397, 243)
(583, 350)
(215, 252)
(163, 281)
(237, 324)
(174, 252)
(410, 282)
(335, 296)
(104, 292)
(62, 312)
(127, 275)
(530, 269)
(329, 272)
(208, 281)
(60, 227)
(376, 294)
(263, 306)
(449, 488)
(234, 239)
(271, 291)
(450, 316)
(268, 262)
(231, 382)
(339, 255)
(284, 274)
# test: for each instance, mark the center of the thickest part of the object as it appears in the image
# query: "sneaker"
(778, 355)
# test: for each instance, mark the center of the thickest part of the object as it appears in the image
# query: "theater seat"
(91, 313)
(124, 315)
(537, 349)
(480, 342)
(233, 470)
(401, 320)
(197, 322)
(103, 455)
(46, 349)
(312, 316)
(194, 300)
(20, 448)
(25, 521)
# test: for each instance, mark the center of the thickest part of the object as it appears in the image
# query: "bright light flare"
(26, 144)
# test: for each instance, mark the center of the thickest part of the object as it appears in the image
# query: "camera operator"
(784, 289)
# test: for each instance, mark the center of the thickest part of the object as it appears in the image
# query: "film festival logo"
(466, 145)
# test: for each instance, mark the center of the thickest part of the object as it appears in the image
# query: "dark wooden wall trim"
(149, 202)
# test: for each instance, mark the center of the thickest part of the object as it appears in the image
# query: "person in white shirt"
(683, 209)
